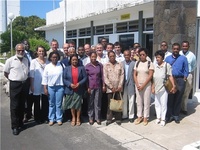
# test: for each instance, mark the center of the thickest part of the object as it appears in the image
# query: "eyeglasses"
(20, 51)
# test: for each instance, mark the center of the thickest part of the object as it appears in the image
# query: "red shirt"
(75, 76)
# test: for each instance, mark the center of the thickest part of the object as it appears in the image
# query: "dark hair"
(103, 39)
(186, 42)
(54, 40)
(71, 41)
(144, 50)
(164, 42)
(45, 52)
(92, 52)
(54, 52)
(176, 44)
(135, 44)
(160, 52)
(74, 55)
(111, 52)
(127, 51)
(117, 44)
(109, 44)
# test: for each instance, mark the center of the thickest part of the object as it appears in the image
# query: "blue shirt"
(191, 58)
(179, 65)
(126, 69)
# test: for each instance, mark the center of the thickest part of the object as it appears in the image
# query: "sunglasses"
(20, 51)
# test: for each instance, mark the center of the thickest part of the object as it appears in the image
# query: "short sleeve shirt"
(143, 71)
(159, 76)
(17, 70)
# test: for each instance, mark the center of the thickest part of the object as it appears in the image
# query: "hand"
(46, 92)
(32, 89)
(104, 89)
(173, 90)
(73, 86)
(89, 90)
(77, 85)
(119, 89)
(113, 90)
(153, 90)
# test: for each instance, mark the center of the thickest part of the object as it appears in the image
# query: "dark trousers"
(94, 104)
(104, 105)
(28, 102)
(84, 107)
(110, 114)
(41, 112)
(18, 92)
(174, 100)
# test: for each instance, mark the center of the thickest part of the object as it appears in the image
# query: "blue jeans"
(55, 103)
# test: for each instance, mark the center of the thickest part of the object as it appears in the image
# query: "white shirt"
(17, 70)
(191, 58)
(86, 61)
(120, 57)
(36, 72)
(53, 75)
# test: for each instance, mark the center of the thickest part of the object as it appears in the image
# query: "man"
(129, 87)
(118, 49)
(109, 47)
(29, 100)
(65, 49)
(104, 42)
(81, 53)
(100, 56)
(71, 43)
(180, 73)
(164, 47)
(87, 49)
(136, 45)
(16, 70)
(191, 58)
(54, 47)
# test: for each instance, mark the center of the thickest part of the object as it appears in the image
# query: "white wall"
(55, 34)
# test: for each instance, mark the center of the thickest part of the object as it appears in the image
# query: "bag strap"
(120, 94)
(166, 71)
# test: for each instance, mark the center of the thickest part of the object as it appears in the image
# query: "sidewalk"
(154, 137)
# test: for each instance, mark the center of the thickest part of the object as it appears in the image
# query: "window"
(85, 32)
(71, 33)
(104, 29)
(149, 24)
(122, 27)
(126, 41)
(133, 26)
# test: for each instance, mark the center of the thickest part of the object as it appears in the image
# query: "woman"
(113, 77)
(143, 73)
(53, 87)
(74, 80)
(158, 88)
(96, 84)
(36, 72)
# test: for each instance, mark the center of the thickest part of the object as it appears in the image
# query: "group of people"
(86, 78)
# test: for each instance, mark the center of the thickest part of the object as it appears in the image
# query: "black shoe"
(118, 122)
(15, 131)
(108, 122)
(170, 119)
(184, 112)
(177, 121)
(99, 122)
(131, 120)
(38, 121)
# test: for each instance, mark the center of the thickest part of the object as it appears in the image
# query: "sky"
(37, 7)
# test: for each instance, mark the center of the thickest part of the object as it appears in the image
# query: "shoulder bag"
(116, 105)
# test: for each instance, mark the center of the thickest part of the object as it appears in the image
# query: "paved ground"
(113, 137)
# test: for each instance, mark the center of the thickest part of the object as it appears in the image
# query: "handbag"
(116, 105)
(167, 83)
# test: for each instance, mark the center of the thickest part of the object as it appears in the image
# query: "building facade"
(145, 21)
(6, 7)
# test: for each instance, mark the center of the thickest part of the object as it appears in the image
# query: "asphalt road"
(44, 137)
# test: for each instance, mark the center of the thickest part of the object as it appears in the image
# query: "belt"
(18, 81)
(178, 76)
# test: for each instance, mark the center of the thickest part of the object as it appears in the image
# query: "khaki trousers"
(143, 100)
(188, 88)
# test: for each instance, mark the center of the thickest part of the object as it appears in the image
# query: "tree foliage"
(28, 24)
(34, 43)
(23, 28)
(18, 37)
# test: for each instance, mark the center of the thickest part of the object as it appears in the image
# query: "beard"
(20, 56)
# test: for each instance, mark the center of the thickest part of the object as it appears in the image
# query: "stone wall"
(174, 21)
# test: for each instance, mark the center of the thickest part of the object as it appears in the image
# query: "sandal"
(73, 123)
(78, 123)
(138, 121)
